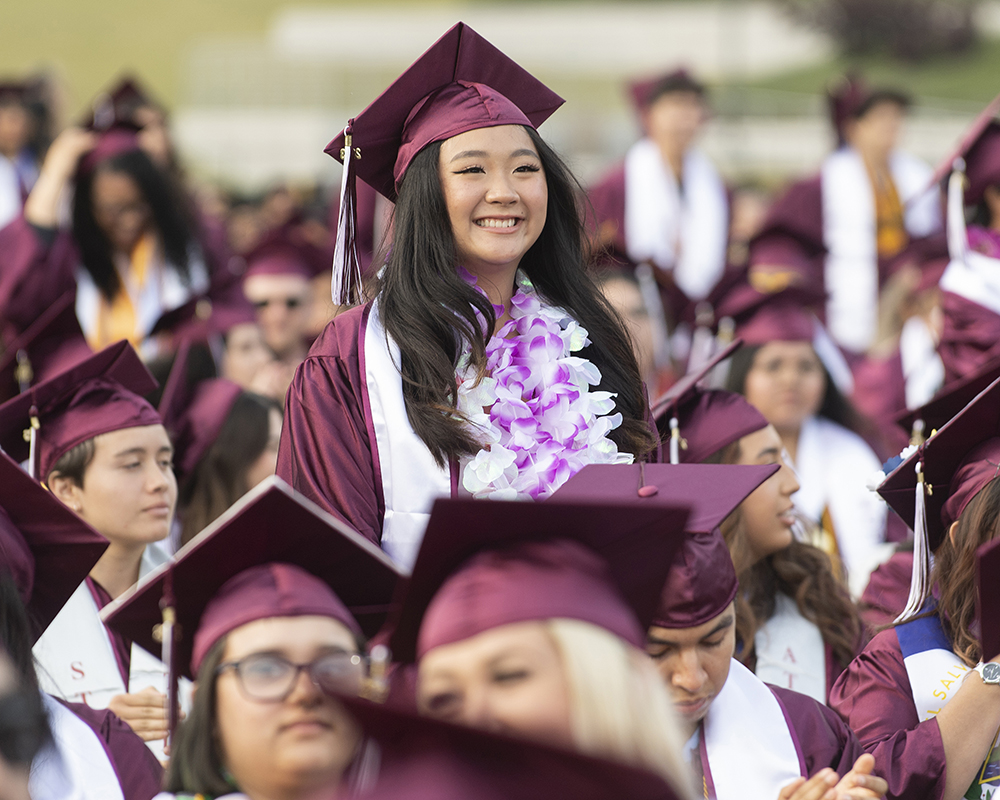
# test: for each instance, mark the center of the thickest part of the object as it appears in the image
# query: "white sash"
(790, 651)
(849, 233)
(751, 751)
(411, 479)
(832, 464)
(685, 233)
(75, 766)
(923, 370)
(10, 192)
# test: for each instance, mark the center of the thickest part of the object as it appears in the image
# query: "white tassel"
(675, 441)
(31, 434)
(346, 278)
(921, 552)
(958, 242)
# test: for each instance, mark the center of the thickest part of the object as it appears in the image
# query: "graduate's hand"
(144, 712)
(860, 783)
(42, 206)
(819, 787)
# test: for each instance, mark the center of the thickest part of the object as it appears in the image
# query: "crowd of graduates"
(473, 482)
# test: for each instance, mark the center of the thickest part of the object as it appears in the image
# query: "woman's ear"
(951, 532)
(66, 490)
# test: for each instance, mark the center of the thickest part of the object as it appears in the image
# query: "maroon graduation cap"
(461, 83)
(979, 148)
(194, 414)
(697, 422)
(702, 580)
(47, 549)
(263, 558)
(98, 395)
(286, 251)
(482, 565)
(52, 343)
(646, 90)
(428, 759)
(931, 488)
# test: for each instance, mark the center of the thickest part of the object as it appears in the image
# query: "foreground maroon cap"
(47, 549)
(52, 343)
(274, 553)
(460, 84)
(98, 395)
(194, 414)
(951, 399)
(483, 565)
(699, 422)
(958, 461)
(702, 580)
(428, 759)
(988, 598)
(286, 251)
(980, 149)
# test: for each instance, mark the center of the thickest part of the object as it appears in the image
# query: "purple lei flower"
(538, 418)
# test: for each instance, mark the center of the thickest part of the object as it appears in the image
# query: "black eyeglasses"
(291, 303)
(268, 677)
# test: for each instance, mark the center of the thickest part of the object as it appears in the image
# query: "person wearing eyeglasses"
(278, 282)
(263, 621)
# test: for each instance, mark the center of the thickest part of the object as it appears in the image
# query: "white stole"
(683, 232)
(411, 479)
(849, 233)
(832, 464)
(790, 651)
(923, 370)
(751, 751)
(10, 191)
(163, 291)
(75, 765)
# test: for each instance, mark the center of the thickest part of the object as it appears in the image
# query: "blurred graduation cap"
(286, 251)
(428, 759)
(461, 83)
(255, 562)
(697, 422)
(931, 488)
(98, 395)
(52, 343)
(851, 97)
(482, 565)
(988, 598)
(194, 413)
(47, 549)
(646, 91)
(214, 313)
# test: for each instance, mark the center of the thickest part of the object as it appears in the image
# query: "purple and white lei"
(538, 419)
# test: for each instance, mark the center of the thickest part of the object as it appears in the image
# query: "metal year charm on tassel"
(355, 151)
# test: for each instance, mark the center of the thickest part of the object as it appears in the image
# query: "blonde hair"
(620, 707)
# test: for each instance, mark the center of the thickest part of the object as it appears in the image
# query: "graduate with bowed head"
(488, 361)
(273, 598)
(528, 619)
(918, 696)
(751, 740)
(795, 624)
(79, 751)
(102, 450)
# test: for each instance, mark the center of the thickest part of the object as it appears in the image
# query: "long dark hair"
(800, 571)
(170, 212)
(954, 570)
(834, 407)
(431, 312)
(220, 477)
(196, 759)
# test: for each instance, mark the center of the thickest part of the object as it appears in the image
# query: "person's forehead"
(144, 437)
(288, 634)
(497, 140)
(262, 286)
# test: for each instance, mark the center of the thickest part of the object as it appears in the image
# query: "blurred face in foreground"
(509, 679)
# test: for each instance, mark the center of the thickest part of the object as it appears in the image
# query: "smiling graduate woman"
(486, 361)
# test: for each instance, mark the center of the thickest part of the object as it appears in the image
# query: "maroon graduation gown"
(823, 738)
(139, 773)
(327, 450)
(873, 696)
(969, 337)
